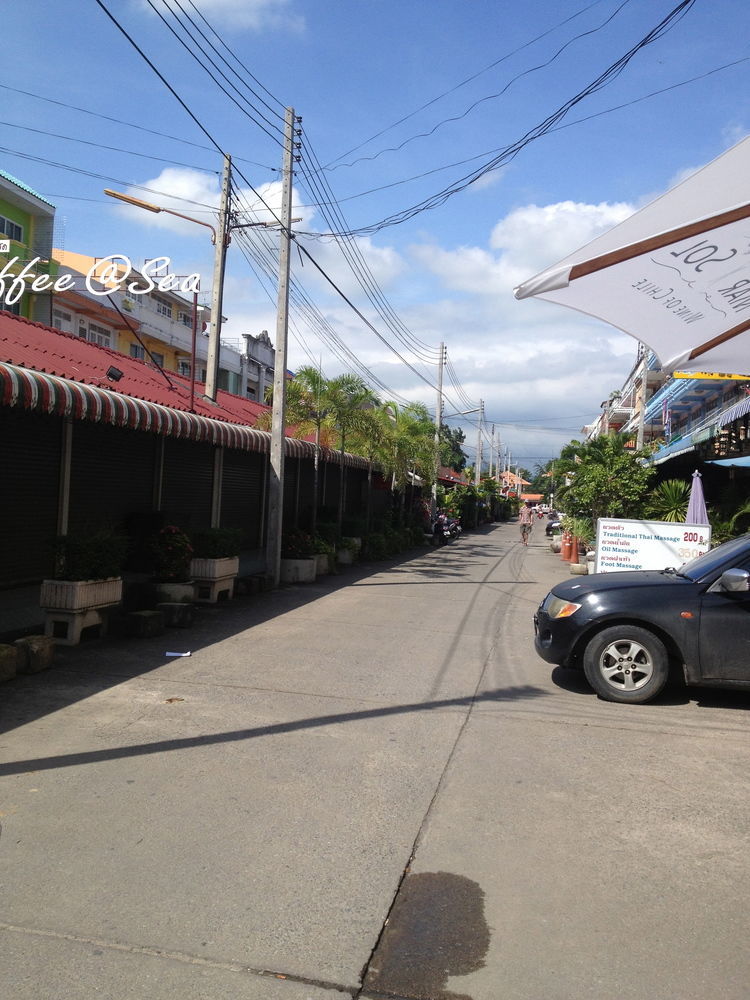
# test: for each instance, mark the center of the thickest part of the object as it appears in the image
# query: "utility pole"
(493, 462)
(641, 402)
(278, 424)
(217, 291)
(438, 422)
(478, 469)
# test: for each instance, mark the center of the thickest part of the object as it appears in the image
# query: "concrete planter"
(71, 606)
(214, 578)
(345, 557)
(322, 564)
(175, 593)
(298, 570)
(78, 595)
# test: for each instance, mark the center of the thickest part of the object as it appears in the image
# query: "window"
(99, 335)
(183, 368)
(185, 318)
(136, 351)
(11, 229)
(62, 320)
(158, 359)
(162, 306)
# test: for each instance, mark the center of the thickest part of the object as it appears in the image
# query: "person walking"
(526, 521)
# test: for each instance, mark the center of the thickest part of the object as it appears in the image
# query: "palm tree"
(346, 399)
(409, 448)
(669, 500)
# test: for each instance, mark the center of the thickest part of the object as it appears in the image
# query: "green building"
(26, 225)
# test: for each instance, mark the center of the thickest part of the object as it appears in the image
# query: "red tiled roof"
(446, 475)
(42, 368)
(43, 349)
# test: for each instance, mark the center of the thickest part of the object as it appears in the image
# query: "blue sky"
(352, 69)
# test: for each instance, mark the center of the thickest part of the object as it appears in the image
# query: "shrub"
(297, 545)
(172, 552)
(216, 543)
(92, 555)
(322, 547)
(374, 547)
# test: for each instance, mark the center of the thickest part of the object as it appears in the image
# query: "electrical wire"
(352, 253)
(272, 126)
(552, 131)
(113, 149)
(463, 83)
(102, 177)
(133, 125)
(604, 78)
(490, 97)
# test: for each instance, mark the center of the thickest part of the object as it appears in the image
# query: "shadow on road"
(276, 729)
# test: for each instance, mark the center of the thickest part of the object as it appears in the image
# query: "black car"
(627, 629)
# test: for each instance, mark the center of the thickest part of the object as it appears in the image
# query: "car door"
(724, 632)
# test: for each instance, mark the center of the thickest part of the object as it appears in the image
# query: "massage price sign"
(622, 544)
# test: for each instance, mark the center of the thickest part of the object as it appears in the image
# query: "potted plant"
(324, 553)
(215, 563)
(172, 552)
(87, 578)
(297, 558)
(346, 550)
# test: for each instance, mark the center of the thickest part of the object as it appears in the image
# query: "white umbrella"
(696, 512)
(675, 275)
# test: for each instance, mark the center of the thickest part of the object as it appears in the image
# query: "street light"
(217, 289)
(212, 361)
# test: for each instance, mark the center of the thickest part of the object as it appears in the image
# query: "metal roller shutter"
(29, 482)
(112, 475)
(187, 483)
(241, 493)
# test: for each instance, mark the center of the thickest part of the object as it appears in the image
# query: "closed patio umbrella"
(696, 512)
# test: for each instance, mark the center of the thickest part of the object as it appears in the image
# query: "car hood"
(598, 583)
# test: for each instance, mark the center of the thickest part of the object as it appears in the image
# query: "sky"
(461, 145)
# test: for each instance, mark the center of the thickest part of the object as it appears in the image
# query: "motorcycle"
(454, 527)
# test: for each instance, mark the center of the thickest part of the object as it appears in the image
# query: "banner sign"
(623, 544)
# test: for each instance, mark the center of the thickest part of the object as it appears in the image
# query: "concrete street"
(369, 786)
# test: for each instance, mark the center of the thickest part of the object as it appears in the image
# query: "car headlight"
(556, 607)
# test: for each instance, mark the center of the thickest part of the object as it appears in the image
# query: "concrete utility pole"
(641, 402)
(493, 458)
(278, 424)
(217, 290)
(478, 469)
(438, 421)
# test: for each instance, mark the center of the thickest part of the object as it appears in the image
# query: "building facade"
(26, 236)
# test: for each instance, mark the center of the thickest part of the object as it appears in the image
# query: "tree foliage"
(604, 479)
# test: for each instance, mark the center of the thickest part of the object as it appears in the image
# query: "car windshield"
(702, 566)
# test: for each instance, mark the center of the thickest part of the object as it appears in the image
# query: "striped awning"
(734, 412)
(43, 393)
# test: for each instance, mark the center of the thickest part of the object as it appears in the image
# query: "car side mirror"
(735, 580)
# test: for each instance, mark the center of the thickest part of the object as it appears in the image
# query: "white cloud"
(253, 15)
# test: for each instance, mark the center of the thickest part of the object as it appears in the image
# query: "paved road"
(369, 786)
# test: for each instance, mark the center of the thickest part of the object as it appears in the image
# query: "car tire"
(626, 663)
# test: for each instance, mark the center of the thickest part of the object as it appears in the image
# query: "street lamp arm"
(159, 208)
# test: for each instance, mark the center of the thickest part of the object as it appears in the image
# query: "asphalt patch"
(436, 930)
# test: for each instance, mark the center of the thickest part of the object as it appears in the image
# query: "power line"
(492, 97)
(112, 149)
(194, 55)
(463, 83)
(127, 124)
(358, 264)
(534, 133)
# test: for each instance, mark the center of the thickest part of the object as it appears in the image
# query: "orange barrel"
(566, 546)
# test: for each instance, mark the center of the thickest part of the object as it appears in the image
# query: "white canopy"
(675, 275)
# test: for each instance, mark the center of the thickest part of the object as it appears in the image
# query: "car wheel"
(626, 663)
